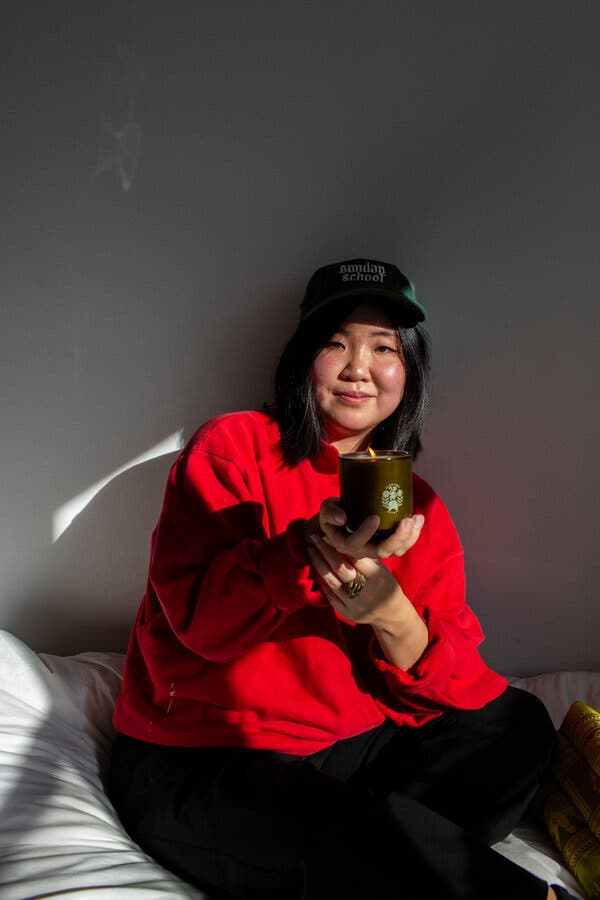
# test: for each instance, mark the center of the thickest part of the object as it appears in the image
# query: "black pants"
(398, 813)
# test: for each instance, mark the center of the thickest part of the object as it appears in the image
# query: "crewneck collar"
(328, 459)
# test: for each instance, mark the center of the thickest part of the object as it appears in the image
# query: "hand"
(380, 601)
(331, 520)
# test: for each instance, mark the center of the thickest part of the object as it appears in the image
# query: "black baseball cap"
(367, 277)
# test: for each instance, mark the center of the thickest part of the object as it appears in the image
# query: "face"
(359, 377)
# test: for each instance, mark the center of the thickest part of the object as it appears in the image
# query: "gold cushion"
(568, 800)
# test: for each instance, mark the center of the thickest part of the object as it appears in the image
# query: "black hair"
(296, 411)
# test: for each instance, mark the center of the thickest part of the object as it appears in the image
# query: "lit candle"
(377, 482)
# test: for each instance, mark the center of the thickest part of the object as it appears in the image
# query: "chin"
(353, 429)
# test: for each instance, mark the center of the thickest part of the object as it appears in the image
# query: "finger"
(341, 566)
(400, 541)
(339, 605)
(342, 541)
(323, 570)
(331, 596)
(405, 535)
(332, 513)
(337, 599)
(362, 535)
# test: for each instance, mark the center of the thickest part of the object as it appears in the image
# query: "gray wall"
(175, 171)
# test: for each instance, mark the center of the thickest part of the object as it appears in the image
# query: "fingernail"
(339, 518)
(407, 524)
(418, 520)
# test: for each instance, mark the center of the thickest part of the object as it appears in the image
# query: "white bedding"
(59, 834)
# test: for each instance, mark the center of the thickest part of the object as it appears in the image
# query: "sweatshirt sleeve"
(222, 583)
(451, 671)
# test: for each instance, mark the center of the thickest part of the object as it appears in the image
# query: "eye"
(385, 348)
(334, 345)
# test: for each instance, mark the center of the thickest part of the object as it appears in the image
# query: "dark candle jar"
(378, 485)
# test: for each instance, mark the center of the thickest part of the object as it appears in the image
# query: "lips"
(353, 398)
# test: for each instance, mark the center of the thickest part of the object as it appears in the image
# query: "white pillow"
(558, 690)
(59, 834)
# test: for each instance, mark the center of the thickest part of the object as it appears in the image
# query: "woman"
(304, 712)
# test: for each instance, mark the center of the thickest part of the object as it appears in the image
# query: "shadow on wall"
(95, 573)
(80, 579)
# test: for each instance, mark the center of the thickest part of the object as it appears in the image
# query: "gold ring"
(353, 588)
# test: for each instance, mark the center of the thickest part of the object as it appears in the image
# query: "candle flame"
(372, 452)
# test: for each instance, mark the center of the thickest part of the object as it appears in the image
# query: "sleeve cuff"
(433, 666)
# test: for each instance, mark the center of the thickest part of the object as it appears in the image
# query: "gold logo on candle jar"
(392, 497)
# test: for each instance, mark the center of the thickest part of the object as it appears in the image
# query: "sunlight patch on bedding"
(65, 514)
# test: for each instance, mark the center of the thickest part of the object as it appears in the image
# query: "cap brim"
(409, 304)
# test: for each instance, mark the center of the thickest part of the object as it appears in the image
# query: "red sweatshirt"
(234, 645)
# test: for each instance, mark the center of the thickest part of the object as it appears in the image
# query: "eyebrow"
(374, 333)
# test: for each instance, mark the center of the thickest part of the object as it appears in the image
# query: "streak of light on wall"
(65, 514)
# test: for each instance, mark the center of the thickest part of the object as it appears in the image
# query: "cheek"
(392, 379)
(323, 371)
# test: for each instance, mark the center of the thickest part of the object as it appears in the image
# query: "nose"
(356, 367)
